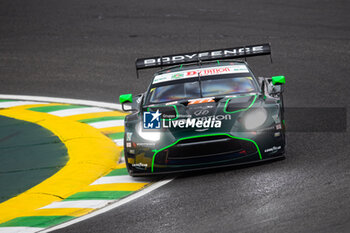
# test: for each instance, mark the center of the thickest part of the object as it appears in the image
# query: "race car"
(207, 110)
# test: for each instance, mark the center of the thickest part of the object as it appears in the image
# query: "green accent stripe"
(115, 136)
(55, 108)
(240, 110)
(118, 172)
(98, 195)
(36, 221)
(200, 136)
(98, 119)
(2, 100)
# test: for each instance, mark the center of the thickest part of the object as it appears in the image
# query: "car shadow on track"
(207, 171)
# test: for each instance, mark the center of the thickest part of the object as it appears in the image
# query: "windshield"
(213, 87)
(173, 92)
(210, 87)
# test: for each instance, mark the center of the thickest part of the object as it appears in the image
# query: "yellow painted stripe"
(75, 212)
(115, 187)
(110, 130)
(94, 115)
(91, 156)
(121, 165)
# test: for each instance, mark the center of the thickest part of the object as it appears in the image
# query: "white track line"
(20, 229)
(18, 103)
(121, 179)
(77, 111)
(106, 124)
(78, 204)
(111, 206)
(119, 142)
(63, 100)
(121, 159)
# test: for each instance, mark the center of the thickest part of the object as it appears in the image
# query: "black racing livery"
(204, 111)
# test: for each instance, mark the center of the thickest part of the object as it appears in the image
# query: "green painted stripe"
(98, 195)
(1, 100)
(115, 136)
(36, 221)
(118, 172)
(54, 108)
(98, 119)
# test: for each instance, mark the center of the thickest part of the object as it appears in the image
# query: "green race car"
(203, 112)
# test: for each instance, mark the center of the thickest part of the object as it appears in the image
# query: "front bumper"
(203, 151)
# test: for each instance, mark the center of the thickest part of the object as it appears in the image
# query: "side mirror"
(126, 101)
(277, 85)
(125, 98)
(278, 80)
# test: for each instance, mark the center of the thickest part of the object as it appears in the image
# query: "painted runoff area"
(18, 139)
(94, 179)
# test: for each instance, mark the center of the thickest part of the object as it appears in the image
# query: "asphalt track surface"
(86, 49)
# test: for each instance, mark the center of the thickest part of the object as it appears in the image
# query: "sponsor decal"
(170, 116)
(145, 144)
(201, 72)
(201, 101)
(160, 78)
(176, 76)
(140, 165)
(167, 116)
(274, 148)
(279, 126)
(201, 130)
(201, 112)
(214, 54)
(128, 144)
(151, 120)
(207, 72)
(128, 136)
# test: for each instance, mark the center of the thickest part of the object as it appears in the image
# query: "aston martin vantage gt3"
(204, 111)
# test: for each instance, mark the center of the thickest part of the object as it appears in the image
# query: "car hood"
(219, 115)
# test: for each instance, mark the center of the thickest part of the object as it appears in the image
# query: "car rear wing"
(216, 54)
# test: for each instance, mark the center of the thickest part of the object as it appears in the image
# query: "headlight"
(147, 134)
(255, 118)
